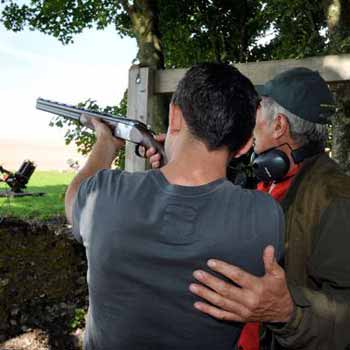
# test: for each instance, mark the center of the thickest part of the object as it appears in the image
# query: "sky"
(35, 65)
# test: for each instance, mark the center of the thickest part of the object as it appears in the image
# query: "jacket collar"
(306, 165)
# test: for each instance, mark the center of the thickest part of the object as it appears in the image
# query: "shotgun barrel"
(127, 129)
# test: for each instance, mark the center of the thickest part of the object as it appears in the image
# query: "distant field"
(46, 155)
(53, 183)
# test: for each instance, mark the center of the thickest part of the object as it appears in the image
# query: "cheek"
(260, 139)
(257, 133)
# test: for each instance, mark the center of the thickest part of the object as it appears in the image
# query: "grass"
(53, 183)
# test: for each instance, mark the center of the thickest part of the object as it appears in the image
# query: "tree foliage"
(64, 19)
(179, 33)
(185, 31)
(83, 137)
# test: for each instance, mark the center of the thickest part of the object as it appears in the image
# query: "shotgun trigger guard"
(138, 153)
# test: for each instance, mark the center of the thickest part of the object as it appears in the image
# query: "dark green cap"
(302, 92)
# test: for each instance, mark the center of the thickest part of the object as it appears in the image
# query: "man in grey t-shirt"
(146, 232)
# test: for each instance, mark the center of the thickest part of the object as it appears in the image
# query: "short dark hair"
(218, 104)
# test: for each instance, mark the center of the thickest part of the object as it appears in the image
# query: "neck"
(287, 149)
(191, 164)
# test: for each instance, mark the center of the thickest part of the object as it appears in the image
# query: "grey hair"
(301, 131)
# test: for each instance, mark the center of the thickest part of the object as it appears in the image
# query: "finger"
(271, 265)
(160, 137)
(223, 288)
(234, 273)
(155, 165)
(155, 161)
(94, 121)
(150, 152)
(99, 125)
(269, 258)
(217, 313)
(155, 158)
(218, 300)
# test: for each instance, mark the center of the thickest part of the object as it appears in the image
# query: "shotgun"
(123, 128)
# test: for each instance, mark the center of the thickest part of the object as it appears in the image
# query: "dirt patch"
(43, 290)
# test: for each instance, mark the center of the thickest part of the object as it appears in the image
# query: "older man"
(311, 310)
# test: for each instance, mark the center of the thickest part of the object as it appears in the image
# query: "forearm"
(101, 157)
(319, 321)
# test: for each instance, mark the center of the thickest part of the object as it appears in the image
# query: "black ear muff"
(271, 165)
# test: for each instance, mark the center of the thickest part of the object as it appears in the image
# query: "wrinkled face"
(263, 132)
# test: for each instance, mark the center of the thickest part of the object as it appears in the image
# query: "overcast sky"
(36, 65)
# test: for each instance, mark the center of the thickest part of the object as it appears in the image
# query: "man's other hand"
(152, 155)
(265, 298)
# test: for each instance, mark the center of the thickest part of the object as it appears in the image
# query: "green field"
(53, 183)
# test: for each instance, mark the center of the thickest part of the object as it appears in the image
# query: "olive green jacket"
(317, 258)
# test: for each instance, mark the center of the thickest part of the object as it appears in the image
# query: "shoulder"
(266, 204)
(112, 176)
(259, 199)
(262, 205)
(99, 180)
(326, 177)
(266, 217)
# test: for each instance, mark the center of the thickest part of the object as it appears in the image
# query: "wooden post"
(332, 68)
(140, 92)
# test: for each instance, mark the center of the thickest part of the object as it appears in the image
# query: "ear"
(244, 149)
(176, 120)
(280, 126)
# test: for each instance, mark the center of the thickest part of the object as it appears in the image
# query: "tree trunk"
(341, 126)
(144, 15)
(337, 13)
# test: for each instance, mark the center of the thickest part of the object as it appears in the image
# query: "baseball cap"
(302, 92)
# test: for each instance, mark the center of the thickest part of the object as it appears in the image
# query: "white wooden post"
(140, 92)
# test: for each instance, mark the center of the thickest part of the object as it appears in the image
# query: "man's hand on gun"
(123, 128)
(152, 155)
(104, 133)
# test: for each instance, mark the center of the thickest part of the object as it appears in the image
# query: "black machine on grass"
(18, 180)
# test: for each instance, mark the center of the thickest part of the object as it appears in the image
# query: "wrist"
(290, 327)
(289, 310)
(299, 304)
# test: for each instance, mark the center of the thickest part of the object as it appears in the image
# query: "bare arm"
(101, 157)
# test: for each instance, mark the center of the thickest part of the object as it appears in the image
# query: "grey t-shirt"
(144, 238)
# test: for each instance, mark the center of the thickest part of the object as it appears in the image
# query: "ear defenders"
(273, 164)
